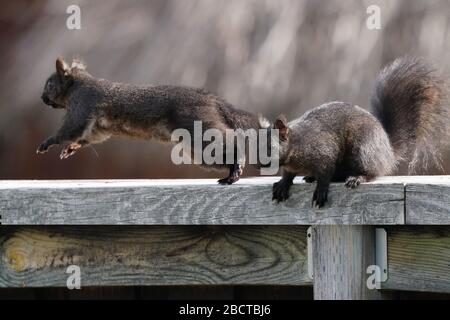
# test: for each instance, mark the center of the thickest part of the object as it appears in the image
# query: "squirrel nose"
(45, 99)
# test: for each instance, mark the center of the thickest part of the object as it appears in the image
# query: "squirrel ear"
(263, 122)
(62, 68)
(281, 124)
(78, 63)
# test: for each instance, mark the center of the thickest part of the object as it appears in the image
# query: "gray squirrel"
(338, 141)
(97, 109)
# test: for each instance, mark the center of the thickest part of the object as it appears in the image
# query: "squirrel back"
(410, 101)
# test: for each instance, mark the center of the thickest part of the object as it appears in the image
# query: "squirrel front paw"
(280, 191)
(43, 148)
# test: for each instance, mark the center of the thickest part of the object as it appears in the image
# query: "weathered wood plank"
(341, 255)
(152, 255)
(428, 202)
(418, 258)
(198, 202)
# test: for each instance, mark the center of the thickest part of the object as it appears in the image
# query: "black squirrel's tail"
(410, 101)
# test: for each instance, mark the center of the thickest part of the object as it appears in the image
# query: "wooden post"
(341, 255)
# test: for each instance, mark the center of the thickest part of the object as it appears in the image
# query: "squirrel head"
(57, 85)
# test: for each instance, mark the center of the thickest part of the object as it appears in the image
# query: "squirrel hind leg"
(352, 182)
(236, 171)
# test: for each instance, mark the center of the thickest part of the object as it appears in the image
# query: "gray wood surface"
(419, 258)
(197, 202)
(152, 255)
(428, 203)
(341, 255)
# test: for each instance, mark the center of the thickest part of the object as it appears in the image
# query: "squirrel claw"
(352, 182)
(280, 191)
(69, 150)
(228, 180)
(42, 149)
(232, 178)
(224, 181)
(319, 199)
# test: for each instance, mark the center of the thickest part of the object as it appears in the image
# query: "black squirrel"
(338, 141)
(98, 109)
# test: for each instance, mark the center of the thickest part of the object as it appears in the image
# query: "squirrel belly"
(410, 122)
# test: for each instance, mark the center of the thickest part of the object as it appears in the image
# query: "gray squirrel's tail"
(410, 101)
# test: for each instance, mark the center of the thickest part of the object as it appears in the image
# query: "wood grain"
(152, 255)
(191, 202)
(428, 203)
(418, 258)
(341, 255)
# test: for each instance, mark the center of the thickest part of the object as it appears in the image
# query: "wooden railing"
(192, 232)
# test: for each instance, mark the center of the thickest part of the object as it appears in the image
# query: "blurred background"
(266, 56)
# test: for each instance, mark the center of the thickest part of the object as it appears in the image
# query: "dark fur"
(411, 102)
(342, 142)
(98, 109)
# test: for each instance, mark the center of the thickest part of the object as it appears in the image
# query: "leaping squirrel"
(97, 109)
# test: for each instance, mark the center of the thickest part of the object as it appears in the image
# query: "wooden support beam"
(152, 255)
(341, 255)
(418, 258)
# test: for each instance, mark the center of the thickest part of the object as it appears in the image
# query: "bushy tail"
(410, 101)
